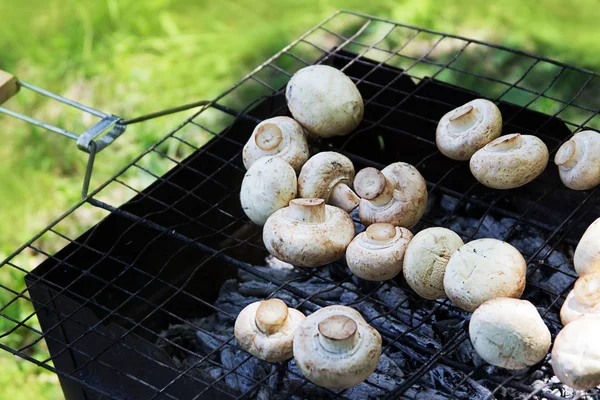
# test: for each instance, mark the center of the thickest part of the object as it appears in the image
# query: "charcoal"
(453, 382)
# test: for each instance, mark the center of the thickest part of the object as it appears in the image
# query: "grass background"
(129, 57)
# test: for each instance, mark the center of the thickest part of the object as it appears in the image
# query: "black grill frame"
(77, 328)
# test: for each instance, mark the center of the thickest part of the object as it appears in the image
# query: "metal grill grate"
(159, 260)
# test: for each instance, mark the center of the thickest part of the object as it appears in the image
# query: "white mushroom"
(510, 161)
(426, 258)
(509, 333)
(280, 137)
(578, 161)
(576, 354)
(326, 176)
(308, 233)
(376, 254)
(482, 270)
(266, 329)
(466, 129)
(587, 253)
(397, 195)
(268, 185)
(324, 100)
(336, 348)
(583, 300)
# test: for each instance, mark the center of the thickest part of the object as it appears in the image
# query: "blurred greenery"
(129, 57)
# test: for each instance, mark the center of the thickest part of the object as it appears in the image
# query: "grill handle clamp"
(92, 140)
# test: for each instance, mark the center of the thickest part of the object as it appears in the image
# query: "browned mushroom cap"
(326, 176)
(396, 195)
(280, 137)
(308, 233)
(266, 329)
(466, 129)
(336, 348)
(578, 161)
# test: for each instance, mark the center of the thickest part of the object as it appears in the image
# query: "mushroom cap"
(509, 161)
(324, 101)
(576, 354)
(578, 161)
(273, 342)
(408, 199)
(583, 300)
(426, 258)
(281, 137)
(308, 233)
(377, 253)
(587, 253)
(509, 333)
(268, 185)
(355, 356)
(484, 269)
(322, 173)
(466, 129)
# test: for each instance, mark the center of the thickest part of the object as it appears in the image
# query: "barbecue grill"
(142, 304)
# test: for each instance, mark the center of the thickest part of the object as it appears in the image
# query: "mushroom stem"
(343, 197)
(568, 155)
(372, 185)
(380, 233)
(587, 289)
(337, 334)
(463, 119)
(505, 143)
(268, 137)
(271, 315)
(306, 210)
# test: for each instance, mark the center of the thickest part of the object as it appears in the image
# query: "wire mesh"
(173, 234)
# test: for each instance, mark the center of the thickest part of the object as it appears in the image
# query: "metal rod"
(62, 99)
(162, 113)
(39, 123)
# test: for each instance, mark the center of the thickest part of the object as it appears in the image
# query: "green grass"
(130, 57)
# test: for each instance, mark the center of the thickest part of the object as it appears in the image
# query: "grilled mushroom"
(482, 270)
(578, 161)
(426, 258)
(466, 129)
(583, 300)
(510, 161)
(576, 354)
(509, 333)
(396, 195)
(377, 253)
(326, 176)
(266, 329)
(587, 252)
(324, 101)
(308, 233)
(268, 185)
(279, 137)
(336, 348)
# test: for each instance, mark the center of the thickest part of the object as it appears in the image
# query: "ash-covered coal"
(207, 344)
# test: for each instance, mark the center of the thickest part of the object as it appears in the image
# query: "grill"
(142, 305)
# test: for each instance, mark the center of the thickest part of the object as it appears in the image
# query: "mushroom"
(509, 161)
(482, 270)
(578, 161)
(324, 101)
(266, 329)
(426, 258)
(587, 253)
(376, 254)
(268, 185)
(281, 137)
(397, 195)
(326, 176)
(509, 333)
(335, 348)
(466, 129)
(576, 354)
(583, 300)
(308, 233)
